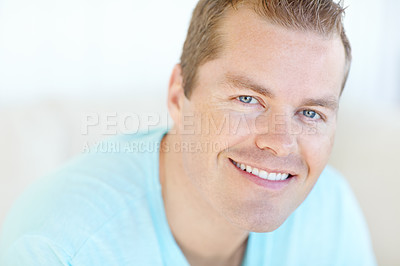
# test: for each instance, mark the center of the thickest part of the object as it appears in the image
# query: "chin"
(265, 227)
(260, 224)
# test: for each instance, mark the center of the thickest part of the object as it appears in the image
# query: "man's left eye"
(247, 99)
(311, 114)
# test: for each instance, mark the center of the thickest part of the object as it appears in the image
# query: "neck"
(204, 236)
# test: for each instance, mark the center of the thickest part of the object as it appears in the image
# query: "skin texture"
(210, 205)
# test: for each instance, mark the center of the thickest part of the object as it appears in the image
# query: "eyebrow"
(329, 102)
(245, 83)
(239, 81)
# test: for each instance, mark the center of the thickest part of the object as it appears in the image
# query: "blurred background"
(65, 65)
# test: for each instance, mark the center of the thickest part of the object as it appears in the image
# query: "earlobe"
(176, 94)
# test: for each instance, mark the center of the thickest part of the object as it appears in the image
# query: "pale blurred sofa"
(38, 137)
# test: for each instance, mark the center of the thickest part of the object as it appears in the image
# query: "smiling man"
(241, 178)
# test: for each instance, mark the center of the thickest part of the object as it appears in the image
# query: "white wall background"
(102, 49)
(88, 48)
(374, 31)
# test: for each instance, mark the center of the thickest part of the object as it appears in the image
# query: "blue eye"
(311, 114)
(247, 99)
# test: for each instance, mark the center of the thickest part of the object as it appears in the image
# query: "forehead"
(286, 58)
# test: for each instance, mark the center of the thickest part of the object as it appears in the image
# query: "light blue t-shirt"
(106, 208)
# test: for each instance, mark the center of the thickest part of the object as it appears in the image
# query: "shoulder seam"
(96, 231)
(45, 239)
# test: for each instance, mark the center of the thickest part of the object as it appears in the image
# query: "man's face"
(268, 102)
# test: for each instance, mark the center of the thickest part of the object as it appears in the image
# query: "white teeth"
(279, 176)
(255, 171)
(248, 169)
(272, 176)
(261, 173)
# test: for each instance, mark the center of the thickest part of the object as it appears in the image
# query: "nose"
(276, 134)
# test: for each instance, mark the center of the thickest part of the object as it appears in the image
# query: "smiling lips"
(261, 173)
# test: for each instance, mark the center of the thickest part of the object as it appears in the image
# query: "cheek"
(225, 127)
(203, 139)
(316, 149)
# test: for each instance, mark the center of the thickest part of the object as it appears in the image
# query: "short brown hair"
(203, 42)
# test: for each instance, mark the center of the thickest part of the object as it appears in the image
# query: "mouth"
(262, 174)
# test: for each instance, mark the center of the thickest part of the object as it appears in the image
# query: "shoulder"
(331, 190)
(324, 229)
(91, 192)
(333, 198)
(331, 219)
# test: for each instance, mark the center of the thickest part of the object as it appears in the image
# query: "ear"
(176, 94)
